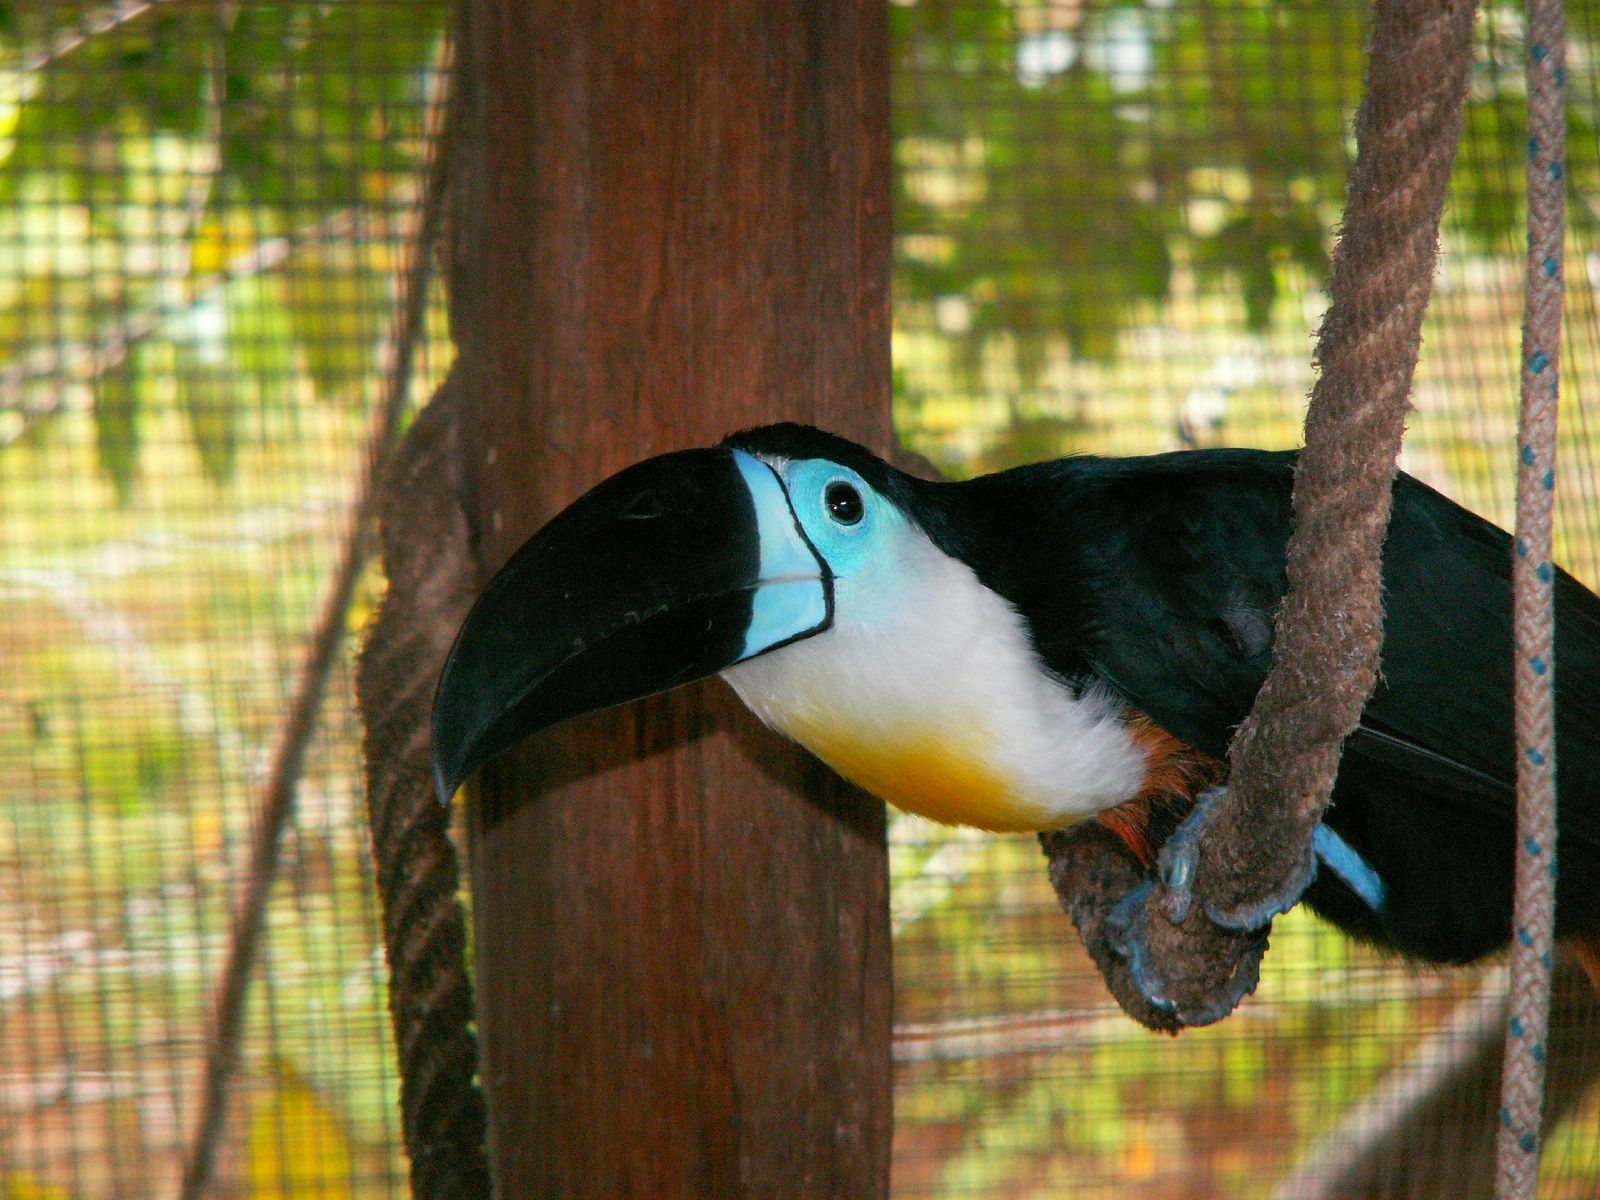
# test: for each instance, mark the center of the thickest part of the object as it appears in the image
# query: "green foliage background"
(1112, 224)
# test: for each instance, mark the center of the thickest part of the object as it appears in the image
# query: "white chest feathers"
(927, 692)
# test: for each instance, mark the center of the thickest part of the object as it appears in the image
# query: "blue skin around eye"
(845, 547)
(794, 602)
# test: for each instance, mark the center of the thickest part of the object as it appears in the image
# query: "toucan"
(1067, 641)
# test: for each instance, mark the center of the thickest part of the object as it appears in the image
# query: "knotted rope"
(1533, 612)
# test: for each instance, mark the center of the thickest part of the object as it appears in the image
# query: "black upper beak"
(647, 582)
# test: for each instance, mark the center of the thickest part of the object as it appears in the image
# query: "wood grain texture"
(673, 223)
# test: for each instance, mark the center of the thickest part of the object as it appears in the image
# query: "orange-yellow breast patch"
(928, 773)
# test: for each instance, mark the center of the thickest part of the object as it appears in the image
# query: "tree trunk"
(671, 222)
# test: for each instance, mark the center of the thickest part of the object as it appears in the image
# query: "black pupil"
(844, 503)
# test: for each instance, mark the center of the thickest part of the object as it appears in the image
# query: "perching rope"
(1533, 613)
(1286, 754)
(1330, 626)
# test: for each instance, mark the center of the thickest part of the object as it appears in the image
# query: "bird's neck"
(929, 694)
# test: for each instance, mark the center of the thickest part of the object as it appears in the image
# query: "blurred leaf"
(1003, 104)
(1258, 289)
(261, 337)
(209, 407)
(321, 99)
(1305, 237)
(312, 103)
(122, 759)
(1248, 249)
(116, 425)
(211, 248)
(296, 1146)
(336, 306)
(27, 309)
(1030, 440)
(19, 1185)
(1490, 203)
(146, 75)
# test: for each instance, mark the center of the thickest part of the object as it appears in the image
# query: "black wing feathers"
(1194, 571)
(1178, 572)
(1158, 575)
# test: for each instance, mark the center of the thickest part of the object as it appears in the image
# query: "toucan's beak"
(670, 571)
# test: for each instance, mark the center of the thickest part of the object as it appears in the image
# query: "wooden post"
(672, 221)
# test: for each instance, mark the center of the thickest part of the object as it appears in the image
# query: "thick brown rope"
(425, 547)
(1533, 612)
(431, 577)
(1329, 627)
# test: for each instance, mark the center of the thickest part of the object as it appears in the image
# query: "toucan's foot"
(1197, 956)
(1180, 857)
(1124, 925)
(1198, 974)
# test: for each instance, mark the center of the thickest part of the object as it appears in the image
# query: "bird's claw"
(1192, 999)
(1176, 864)
(1196, 967)
(1180, 857)
(1123, 932)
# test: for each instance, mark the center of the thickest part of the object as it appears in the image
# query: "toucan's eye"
(844, 503)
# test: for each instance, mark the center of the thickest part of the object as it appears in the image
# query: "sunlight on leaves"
(22, 1186)
(296, 1146)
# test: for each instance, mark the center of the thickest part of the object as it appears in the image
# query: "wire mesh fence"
(1113, 229)
(204, 208)
(1112, 226)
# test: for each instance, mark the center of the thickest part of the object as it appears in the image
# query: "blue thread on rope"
(1517, 1179)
